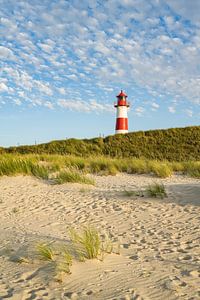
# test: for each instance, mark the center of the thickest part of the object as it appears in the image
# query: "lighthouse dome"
(121, 94)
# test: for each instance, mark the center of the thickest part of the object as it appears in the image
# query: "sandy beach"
(159, 238)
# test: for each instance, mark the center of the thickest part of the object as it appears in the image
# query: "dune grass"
(45, 251)
(72, 176)
(87, 243)
(11, 166)
(160, 169)
(72, 169)
(192, 169)
(65, 261)
(156, 190)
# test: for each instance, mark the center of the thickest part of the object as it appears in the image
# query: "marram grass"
(64, 261)
(87, 243)
(11, 166)
(160, 169)
(72, 176)
(73, 169)
(156, 190)
(45, 251)
(82, 245)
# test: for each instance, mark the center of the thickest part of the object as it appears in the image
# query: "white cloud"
(135, 44)
(189, 112)
(45, 47)
(72, 76)
(62, 91)
(172, 109)
(49, 105)
(83, 106)
(6, 53)
(3, 87)
(17, 102)
(154, 106)
(43, 87)
(139, 111)
(187, 9)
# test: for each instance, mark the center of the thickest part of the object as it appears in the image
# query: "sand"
(159, 238)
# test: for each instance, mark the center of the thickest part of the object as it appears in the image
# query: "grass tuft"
(156, 191)
(65, 262)
(45, 251)
(72, 176)
(88, 243)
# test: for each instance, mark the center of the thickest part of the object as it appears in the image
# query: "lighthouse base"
(121, 131)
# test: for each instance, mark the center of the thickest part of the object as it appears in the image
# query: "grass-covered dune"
(175, 144)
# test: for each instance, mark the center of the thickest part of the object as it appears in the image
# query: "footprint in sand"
(6, 293)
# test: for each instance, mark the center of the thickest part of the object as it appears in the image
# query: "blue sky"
(63, 62)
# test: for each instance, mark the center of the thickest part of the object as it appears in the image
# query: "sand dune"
(159, 238)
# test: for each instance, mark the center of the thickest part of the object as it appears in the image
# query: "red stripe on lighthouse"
(121, 124)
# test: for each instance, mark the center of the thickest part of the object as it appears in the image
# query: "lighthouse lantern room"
(122, 117)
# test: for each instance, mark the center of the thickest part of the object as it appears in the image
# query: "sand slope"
(160, 252)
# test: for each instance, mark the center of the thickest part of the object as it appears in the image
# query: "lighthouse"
(122, 117)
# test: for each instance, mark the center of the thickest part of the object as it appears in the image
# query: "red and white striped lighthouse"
(122, 117)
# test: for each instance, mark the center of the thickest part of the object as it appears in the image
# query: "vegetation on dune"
(156, 191)
(12, 165)
(157, 152)
(85, 244)
(60, 168)
(45, 251)
(88, 244)
(72, 176)
(176, 144)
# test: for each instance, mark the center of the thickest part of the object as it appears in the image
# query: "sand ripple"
(159, 239)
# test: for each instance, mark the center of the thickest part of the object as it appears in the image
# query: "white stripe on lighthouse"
(121, 131)
(121, 112)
